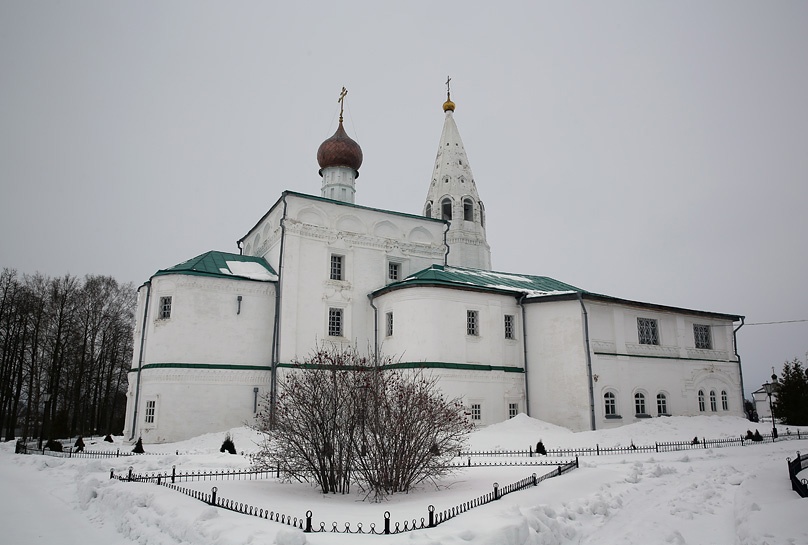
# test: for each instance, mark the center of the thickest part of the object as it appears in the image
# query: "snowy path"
(41, 507)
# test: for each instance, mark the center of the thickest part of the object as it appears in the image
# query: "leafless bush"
(340, 418)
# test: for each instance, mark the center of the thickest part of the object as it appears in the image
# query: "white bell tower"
(453, 196)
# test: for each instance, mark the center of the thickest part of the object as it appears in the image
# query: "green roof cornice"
(218, 264)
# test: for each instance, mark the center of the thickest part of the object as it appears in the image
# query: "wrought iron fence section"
(799, 463)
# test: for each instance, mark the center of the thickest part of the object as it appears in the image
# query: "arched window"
(662, 404)
(639, 403)
(724, 400)
(609, 404)
(482, 214)
(468, 209)
(428, 212)
(446, 208)
(712, 401)
(701, 400)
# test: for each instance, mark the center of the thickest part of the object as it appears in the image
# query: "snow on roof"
(252, 270)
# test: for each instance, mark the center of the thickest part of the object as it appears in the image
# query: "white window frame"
(640, 406)
(610, 403)
(336, 269)
(336, 322)
(702, 337)
(724, 400)
(389, 323)
(701, 401)
(473, 323)
(662, 403)
(476, 412)
(150, 414)
(510, 326)
(394, 271)
(648, 331)
(513, 410)
(164, 310)
(713, 402)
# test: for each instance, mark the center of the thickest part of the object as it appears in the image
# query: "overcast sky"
(655, 151)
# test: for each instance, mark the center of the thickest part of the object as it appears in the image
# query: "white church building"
(213, 332)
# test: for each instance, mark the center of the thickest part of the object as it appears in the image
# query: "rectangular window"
(389, 324)
(647, 331)
(151, 409)
(509, 326)
(165, 307)
(476, 411)
(513, 409)
(393, 271)
(609, 404)
(335, 322)
(639, 404)
(336, 267)
(472, 325)
(702, 337)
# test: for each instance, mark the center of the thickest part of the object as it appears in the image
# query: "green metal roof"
(486, 280)
(535, 288)
(224, 265)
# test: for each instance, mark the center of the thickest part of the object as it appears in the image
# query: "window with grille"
(647, 331)
(662, 404)
(165, 307)
(513, 409)
(335, 322)
(336, 267)
(509, 326)
(702, 337)
(724, 400)
(151, 409)
(609, 404)
(389, 324)
(472, 323)
(639, 403)
(701, 400)
(713, 406)
(476, 411)
(393, 271)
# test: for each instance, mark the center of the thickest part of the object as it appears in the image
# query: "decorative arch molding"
(312, 216)
(420, 235)
(351, 224)
(387, 229)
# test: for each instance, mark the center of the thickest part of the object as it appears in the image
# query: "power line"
(780, 322)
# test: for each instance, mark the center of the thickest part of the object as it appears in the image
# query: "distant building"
(213, 332)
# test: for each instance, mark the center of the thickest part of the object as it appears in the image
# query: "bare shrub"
(342, 419)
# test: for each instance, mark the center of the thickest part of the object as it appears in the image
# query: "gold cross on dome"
(341, 101)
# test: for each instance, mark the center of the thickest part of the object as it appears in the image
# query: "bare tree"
(342, 418)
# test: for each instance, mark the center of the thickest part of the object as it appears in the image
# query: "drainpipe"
(524, 348)
(375, 329)
(140, 356)
(276, 334)
(740, 369)
(446, 243)
(588, 364)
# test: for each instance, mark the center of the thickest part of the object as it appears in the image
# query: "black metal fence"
(179, 476)
(800, 486)
(306, 524)
(695, 443)
(70, 452)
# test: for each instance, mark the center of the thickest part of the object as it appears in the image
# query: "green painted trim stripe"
(225, 366)
(399, 365)
(419, 365)
(661, 357)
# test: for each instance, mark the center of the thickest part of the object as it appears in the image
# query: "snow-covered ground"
(734, 495)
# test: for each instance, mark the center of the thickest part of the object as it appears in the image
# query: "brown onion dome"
(339, 151)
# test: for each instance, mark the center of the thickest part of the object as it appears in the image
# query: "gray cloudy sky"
(655, 151)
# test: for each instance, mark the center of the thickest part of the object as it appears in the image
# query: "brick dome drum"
(340, 151)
